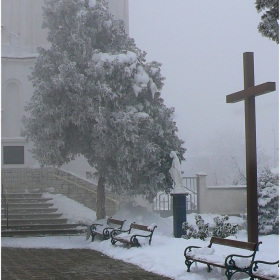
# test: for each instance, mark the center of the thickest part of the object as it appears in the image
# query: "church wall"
(22, 20)
(21, 34)
(14, 75)
(21, 27)
(16, 91)
(120, 9)
(12, 104)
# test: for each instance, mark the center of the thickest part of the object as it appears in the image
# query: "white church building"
(21, 35)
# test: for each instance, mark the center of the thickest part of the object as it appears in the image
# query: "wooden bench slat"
(114, 221)
(264, 277)
(211, 263)
(98, 232)
(122, 240)
(140, 227)
(234, 243)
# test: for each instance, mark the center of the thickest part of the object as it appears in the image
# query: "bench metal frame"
(105, 232)
(229, 264)
(254, 273)
(133, 241)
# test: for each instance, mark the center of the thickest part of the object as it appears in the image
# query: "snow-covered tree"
(223, 229)
(269, 26)
(268, 197)
(95, 95)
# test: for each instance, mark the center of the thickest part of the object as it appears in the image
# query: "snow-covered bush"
(268, 198)
(191, 232)
(223, 229)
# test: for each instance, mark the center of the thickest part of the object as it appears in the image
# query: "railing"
(5, 205)
(190, 183)
(163, 201)
(117, 204)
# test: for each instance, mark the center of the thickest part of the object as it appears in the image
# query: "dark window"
(13, 155)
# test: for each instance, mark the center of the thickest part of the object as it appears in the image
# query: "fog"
(201, 46)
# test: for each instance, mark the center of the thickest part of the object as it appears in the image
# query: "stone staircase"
(31, 214)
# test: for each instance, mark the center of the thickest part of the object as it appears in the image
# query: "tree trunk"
(100, 199)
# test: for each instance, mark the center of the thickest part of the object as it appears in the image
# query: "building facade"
(21, 35)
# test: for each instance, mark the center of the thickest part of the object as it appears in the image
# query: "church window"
(13, 154)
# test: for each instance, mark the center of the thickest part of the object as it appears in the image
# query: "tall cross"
(248, 95)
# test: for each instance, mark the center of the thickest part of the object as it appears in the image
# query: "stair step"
(11, 233)
(32, 210)
(29, 205)
(33, 216)
(18, 195)
(37, 227)
(30, 214)
(27, 200)
(34, 221)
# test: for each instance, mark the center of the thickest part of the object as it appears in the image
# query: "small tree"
(95, 95)
(269, 26)
(268, 197)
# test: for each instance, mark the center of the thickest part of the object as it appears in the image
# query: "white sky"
(201, 45)
(164, 256)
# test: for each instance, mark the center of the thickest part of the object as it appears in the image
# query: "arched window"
(11, 121)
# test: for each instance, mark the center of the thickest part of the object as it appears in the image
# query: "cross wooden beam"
(248, 95)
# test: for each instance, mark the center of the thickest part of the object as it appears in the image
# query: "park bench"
(104, 231)
(265, 273)
(132, 239)
(232, 263)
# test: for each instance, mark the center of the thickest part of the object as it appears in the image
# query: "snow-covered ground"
(164, 256)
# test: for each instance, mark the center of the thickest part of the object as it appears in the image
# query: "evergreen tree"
(269, 26)
(268, 197)
(95, 95)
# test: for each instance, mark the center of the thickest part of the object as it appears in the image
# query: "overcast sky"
(201, 46)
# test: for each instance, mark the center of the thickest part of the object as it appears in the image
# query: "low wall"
(20, 180)
(223, 200)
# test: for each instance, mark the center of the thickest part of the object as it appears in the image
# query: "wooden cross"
(248, 95)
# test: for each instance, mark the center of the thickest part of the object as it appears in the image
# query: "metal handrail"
(191, 187)
(190, 190)
(109, 198)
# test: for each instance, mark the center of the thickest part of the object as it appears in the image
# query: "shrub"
(191, 232)
(268, 199)
(221, 229)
